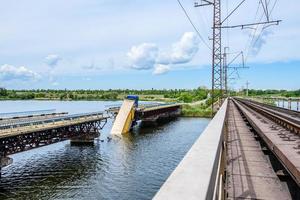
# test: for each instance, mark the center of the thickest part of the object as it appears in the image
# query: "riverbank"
(196, 110)
(164, 95)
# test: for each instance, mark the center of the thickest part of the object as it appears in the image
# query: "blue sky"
(102, 44)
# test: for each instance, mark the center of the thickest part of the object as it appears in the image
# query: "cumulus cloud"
(143, 56)
(148, 56)
(52, 60)
(161, 69)
(9, 72)
(182, 51)
(259, 39)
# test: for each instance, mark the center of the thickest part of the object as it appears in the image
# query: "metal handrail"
(51, 120)
(24, 113)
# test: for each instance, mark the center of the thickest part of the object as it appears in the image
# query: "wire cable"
(262, 29)
(191, 22)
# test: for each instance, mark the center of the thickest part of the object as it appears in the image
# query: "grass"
(198, 110)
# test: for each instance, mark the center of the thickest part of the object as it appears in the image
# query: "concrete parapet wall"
(197, 175)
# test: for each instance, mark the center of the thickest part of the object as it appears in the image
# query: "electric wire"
(262, 29)
(202, 18)
(191, 22)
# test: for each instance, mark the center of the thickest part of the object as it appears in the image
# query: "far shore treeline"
(173, 95)
(182, 95)
(196, 102)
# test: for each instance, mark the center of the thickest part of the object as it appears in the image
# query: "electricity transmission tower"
(217, 74)
(219, 60)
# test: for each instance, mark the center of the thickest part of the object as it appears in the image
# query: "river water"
(284, 104)
(133, 167)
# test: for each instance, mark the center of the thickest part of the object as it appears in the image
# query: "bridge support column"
(85, 139)
(4, 161)
(298, 105)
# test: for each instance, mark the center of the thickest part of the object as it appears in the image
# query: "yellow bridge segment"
(123, 121)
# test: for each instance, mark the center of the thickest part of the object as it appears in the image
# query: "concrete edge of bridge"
(199, 174)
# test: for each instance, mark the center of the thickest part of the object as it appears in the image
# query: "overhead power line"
(255, 40)
(191, 22)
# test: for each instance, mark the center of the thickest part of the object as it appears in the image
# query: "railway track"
(279, 129)
(289, 119)
(292, 113)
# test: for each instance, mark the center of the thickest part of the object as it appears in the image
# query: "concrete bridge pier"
(85, 139)
(160, 118)
(5, 161)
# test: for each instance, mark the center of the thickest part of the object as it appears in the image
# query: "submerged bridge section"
(25, 133)
(249, 150)
(130, 113)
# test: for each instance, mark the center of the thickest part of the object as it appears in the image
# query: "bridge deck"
(249, 172)
(160, 106)
(52, 123)
(23, 119)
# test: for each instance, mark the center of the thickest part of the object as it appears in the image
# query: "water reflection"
(133, 167)
(48, 173)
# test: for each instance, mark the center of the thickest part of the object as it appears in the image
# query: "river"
(285, 104)
(133, 167)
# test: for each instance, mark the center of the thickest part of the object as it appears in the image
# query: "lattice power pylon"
(217, 73)
(219, 60)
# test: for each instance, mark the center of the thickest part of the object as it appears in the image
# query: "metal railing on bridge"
(26, 113)
(50, 120)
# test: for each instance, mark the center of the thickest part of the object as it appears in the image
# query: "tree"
(186, 97)
(3, 92)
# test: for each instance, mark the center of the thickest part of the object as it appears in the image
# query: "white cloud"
(143, 56)
(147, 55)
(9, 72)
(161, 69)
(52, 60)
(182, 51)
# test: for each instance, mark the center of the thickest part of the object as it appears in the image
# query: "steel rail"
(285, 151)
(288, 122)
(293, 113)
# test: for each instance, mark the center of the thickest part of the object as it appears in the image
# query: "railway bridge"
(249, 150)
(25, 132)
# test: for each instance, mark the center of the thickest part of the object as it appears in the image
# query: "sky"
(103, 44)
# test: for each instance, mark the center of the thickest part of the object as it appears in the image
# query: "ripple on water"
(133, 167)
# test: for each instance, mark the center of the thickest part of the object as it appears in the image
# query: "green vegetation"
(195, 102)
(176, 95)
(278, 93)
(197, 109)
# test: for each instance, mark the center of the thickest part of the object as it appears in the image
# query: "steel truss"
(32, 140)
